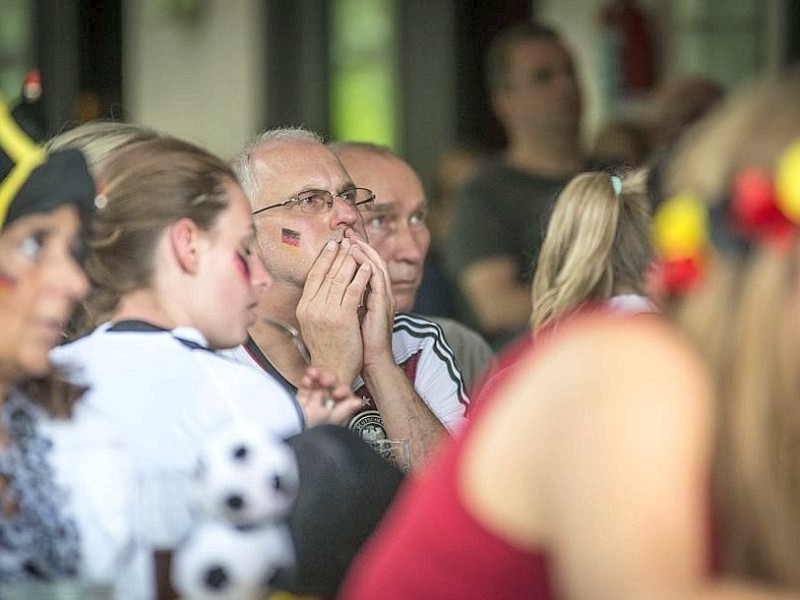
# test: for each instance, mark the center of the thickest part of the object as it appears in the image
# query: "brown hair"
(597, 244)
(148, 186)
(53, 392)
(745, 319)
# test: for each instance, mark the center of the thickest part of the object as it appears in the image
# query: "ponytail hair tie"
(616, 183)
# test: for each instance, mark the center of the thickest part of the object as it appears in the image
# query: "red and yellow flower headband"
(760, 209)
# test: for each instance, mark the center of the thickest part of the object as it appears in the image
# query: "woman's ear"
(185, 238)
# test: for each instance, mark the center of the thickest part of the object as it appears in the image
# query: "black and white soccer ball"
(247, 477)
(222, 562)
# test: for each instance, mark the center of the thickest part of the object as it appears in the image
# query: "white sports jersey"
(420, 349)
(166, 392)
(630, 304)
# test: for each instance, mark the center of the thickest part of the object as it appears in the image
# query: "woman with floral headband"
(629, 458)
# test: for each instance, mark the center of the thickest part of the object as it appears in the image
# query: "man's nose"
(260, 277)
(343, 213)
(408, 245)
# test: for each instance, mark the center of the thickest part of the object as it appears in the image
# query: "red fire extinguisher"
(630, 52)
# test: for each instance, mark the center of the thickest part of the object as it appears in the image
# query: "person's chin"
(233, 338)
(404, 300)
(36, 362)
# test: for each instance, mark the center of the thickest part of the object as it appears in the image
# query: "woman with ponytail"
(596, 250)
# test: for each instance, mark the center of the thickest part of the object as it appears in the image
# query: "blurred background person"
(621, 144)
(397, 227)
(657, 460)
(596, 251)
(677, 103)
(501, 213)
(439, 294)
(65, 478)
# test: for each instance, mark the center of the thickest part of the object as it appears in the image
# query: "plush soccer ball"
(247, 477)
(221, 562)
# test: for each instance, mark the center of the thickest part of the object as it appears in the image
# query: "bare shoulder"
(605, 404)
(612, 336)
(638, 377)
(619, 356)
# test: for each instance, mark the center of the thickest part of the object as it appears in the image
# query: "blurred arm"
(497, 298)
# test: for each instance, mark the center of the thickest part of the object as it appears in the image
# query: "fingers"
(341, 274)
(340, 414)
(343, 411)
(321, 267)
(335, 275)
(327, 410)
(325, 400)
(380, 282)
(362, 251)
(355, 291)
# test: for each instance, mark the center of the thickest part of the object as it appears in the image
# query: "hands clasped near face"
(345, 328)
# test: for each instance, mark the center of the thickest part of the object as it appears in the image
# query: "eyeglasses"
(319, 201)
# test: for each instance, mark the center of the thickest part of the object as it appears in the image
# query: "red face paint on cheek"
(290, 238)
(240, 262)
(7, 282)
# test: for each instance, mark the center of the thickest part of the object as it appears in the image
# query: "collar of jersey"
(183, 333)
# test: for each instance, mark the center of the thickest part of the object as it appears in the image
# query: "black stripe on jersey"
(137, 326)
(421, 328)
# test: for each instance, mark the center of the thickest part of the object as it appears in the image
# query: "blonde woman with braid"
(596, 250)
(651, 457)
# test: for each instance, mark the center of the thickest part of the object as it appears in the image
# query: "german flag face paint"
(290, 238)
(7, 282)
(12, 251)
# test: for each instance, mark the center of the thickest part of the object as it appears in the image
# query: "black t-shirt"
(502, 211)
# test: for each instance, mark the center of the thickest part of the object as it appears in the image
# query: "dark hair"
(52, 392)
(497, 57)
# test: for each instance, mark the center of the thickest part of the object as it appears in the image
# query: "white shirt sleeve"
(437, 377)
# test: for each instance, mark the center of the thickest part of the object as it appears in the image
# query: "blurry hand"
(325, 399)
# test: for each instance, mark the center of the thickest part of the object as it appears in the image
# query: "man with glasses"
(331, 294)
